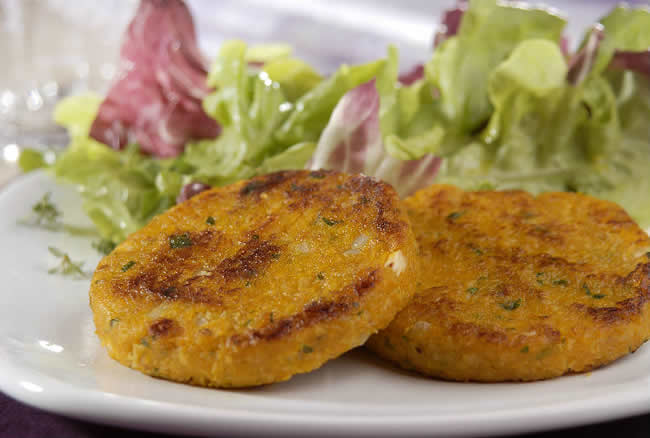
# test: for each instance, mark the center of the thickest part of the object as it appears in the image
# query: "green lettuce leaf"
(461, 65)
(272, 109)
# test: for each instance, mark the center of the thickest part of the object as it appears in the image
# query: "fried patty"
(517, 288)
(252, 283)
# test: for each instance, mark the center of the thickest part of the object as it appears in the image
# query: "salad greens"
(500, 102)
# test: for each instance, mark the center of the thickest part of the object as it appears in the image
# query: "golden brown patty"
(516, 287)
(252, 283)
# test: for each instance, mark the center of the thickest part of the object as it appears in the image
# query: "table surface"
(21, 421)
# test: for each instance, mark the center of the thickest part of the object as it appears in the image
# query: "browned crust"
(313, 313)
(518, 287)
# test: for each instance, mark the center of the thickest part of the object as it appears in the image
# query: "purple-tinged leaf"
(352, 143)
(582, 61)
(630, 60)
(156, 99)
(191, 189)
(451, 19)
(413, 75)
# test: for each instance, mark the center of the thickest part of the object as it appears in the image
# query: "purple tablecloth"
(20, 421)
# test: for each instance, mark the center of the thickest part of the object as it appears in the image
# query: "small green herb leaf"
(330, 222)
(524, 350)
(317, 175)
(472, 290)
(477, 251)
(539, 276)
(511, 305)
(104, 246)
(210, 220)
(46, 213)
(455, 215)
(307, 349)
(251, 187)
(560, 283)
(128, 265)
(592, 295)
(320, 276)
(66, 266)
(180, 241)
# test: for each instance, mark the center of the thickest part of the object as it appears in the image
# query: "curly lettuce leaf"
(460, 66)
(352, 143)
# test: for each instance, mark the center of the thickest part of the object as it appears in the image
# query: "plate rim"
(68, 399)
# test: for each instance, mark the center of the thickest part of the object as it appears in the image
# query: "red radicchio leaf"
(450, 22)
(629, 60)
(415, 74)
(191, 189)
(351, 142)
(156, 99)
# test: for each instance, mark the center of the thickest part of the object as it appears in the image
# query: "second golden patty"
(516, 287)
(255, 282)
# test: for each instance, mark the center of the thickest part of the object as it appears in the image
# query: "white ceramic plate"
(50, 358)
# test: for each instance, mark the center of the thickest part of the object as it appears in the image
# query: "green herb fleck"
(271, 317)
(128, 265)
(544, 353)
(405, 338)
(511, 305)
(275, 255)
(46, 213)
(114, 321)
(560, 283)
(295, 187)
(210, 220)
(67, 266)
(472, 290)
(592, 295)
(251, 187)
(180, 241)
(256, 237)
(539, 276)
(144, 342)
(524, 350)
(104, 246)
(455, 215)
(317, 175)
(477, 251)
(330, 222)
(647, 254)
(248, 283)
(320, 276)
(170, 292)
(307, 349)
(247, 323)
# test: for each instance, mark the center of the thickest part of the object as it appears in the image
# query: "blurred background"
(54, 48)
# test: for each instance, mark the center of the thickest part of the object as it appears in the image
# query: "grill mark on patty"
(249, 261)
(376, 192)
(312, 314)
(165, 327)
(624, 310)
(264, 183)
